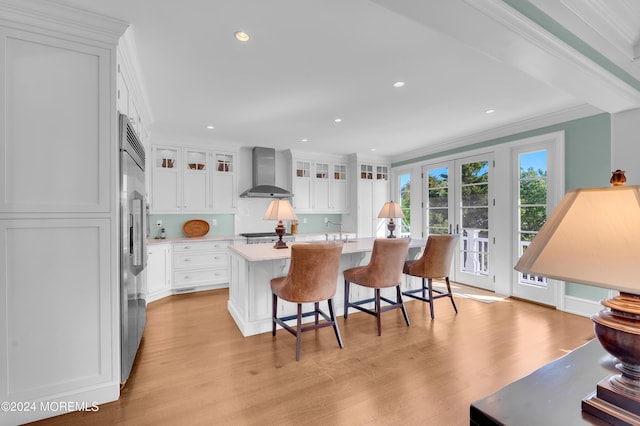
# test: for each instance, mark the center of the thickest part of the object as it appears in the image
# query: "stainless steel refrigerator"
(133, 244)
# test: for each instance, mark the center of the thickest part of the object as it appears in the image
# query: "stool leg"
(273, 314)
(430, 296)
(378, 311)
(298, 331)
(401, 302)
(335, 322)
(316, 305)
(451, 294)
(346, 298)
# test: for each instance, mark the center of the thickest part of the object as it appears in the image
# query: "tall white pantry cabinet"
(59, 315)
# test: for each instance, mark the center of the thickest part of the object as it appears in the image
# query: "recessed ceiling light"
(490, 111)
(338, 120)
(304, 140)
(210, 127)
(398, 84)
(373, 149)
(241, 36)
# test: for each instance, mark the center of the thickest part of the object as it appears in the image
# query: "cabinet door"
(339, 189)
(195, 191)
(302, 186)
(158, 268)
(224, 187)
(166, 195)
(321, 186)
(380, 196)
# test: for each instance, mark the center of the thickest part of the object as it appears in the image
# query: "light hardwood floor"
(194, 366)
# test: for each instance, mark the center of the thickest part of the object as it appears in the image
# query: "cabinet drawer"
(199, 260)
(200, 246)
(200, 277)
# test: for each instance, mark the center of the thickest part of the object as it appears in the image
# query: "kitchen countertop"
(195, 239)
(266, 252)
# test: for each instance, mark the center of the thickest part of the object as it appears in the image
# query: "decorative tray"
(195, 228)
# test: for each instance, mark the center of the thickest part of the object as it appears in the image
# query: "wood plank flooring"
(194, 366)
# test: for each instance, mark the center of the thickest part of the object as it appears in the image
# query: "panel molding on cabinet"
(59, 341)
(41, 76)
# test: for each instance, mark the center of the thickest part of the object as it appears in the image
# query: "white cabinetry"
(158, 271)
(371, 190)
(320, 185)
(200, 264)
(192, 180)
(59, 328)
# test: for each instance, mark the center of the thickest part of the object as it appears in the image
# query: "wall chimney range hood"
(264, 176)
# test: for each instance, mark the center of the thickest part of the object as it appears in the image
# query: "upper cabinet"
(193, 180)
(319, 183)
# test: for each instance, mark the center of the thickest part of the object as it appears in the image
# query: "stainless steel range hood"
(264, 176)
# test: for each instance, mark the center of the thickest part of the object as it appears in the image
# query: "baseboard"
(579, 306)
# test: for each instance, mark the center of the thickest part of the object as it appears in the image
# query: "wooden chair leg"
(346, 298)
(451, 294)
(401, 302)
(424, 287)
(274, 312)
(378, 311)
(298, 331)
(430, 296)
(316, 305)
(335, 322)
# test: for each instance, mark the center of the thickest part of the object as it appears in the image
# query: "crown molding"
(574, 71)
(60, 18)
(533, 123)
(129, 65)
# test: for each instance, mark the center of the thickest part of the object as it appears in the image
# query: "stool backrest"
(435, 261)
(313, 272)
(387, 260)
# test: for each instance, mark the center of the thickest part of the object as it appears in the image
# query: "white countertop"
(266, 252)
(196, 239)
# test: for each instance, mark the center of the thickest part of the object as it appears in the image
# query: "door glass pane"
(532, 196)
(438, 201)
(474, 217)
(405, 204)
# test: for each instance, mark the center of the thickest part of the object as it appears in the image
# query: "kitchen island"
(254, 265)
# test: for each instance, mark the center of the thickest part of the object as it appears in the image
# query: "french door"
(458, 199)
(534, 195)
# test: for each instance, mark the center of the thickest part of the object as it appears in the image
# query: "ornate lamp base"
(617, 398)
(391, 227)
(280, 231)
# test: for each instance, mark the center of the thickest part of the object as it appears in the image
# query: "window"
(405, 203)
(532, 204)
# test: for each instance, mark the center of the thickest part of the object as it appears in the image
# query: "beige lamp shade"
(280, 210)
(592, 237)
(390, 210)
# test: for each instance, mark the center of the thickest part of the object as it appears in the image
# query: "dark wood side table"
(551, 395)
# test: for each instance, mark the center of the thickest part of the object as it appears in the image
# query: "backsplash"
(225, 224)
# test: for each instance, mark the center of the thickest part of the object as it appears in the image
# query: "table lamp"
(390, 210)
(280, 210)
(593, 237)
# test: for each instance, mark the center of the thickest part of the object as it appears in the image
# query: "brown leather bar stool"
(435, 262)
(312, 277)
(384, 270)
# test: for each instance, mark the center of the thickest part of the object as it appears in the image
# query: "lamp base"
(280, 231)
(612, 405)
(617, 398)
(391, 227)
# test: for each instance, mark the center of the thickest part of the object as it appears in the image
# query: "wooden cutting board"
(195, 228)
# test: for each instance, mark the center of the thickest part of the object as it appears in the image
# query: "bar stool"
(312, 277)
(384, 270)
(435, 262)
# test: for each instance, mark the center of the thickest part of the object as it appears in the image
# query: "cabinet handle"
(187, 247)
(187, 260)
(216, 257)
(187, 277)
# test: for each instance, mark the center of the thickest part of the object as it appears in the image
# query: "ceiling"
(309, 62)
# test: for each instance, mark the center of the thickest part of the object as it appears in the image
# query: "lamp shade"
(280, 210)
(390, 210)
(592, 237)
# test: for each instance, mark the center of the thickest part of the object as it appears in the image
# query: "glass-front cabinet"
(193, 180)
(319, 186)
